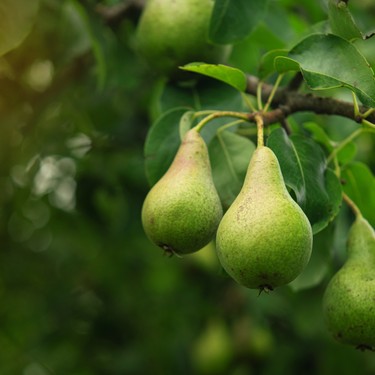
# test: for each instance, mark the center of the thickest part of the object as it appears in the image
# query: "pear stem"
(213, 116)
(203, 113)
(352, 205)
(260, 128)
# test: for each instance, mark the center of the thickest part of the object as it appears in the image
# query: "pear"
(264, 239)
(171, 33)
(182, 211)
(349, 300)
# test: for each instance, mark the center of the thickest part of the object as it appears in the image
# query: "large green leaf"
(207, 94)
(341, 21)
(329, 61)
(16, 19)
(162, 143)
(233, 20)
(232, 76)
(359, 185)
(303, 165)
(230, 156)
(319, 135)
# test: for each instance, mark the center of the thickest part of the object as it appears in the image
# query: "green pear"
(172, 33)
(264, 239)
(182, 211)
(349, 300)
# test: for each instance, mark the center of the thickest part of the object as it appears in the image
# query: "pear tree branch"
(287, 101)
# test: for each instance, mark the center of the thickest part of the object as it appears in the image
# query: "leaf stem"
(248, 102)
(260, 127)
(352, 205)
(229, 125)
(259, 95)
(357, 112)
(272, 94)
(368, 123)
(213, 116)
(347, 140)
(368, 113)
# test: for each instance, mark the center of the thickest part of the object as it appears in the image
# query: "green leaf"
(347, 153)
(16, 19)
(359, 185)
(303, 164)
(162, 143)
(319, 134)
(318, 265)
(341, 21)
(232, 76)
(344, 156)
(267, 62)
(232, 21)
(230, 155)
(328, 61)
(206, 95)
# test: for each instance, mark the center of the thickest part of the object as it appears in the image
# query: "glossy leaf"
(267, 63)
(232, 76)
(162, 143)
(341, 20)
(230, 155)
(206, 95)
(16, 20)
(318, 57)
(209, 94)
(359, 185)
(319, 135)
(347, 153)
(303, 165)
(232, 21)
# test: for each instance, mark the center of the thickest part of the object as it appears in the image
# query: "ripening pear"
(264, 239)
(182, 211)
(349, 300)
(171, 33)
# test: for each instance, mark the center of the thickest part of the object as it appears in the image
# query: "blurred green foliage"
(82, 290)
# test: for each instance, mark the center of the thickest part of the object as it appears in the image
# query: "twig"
(287, 102)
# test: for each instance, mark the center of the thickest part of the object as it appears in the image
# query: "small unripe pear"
(349, 300)
(264, 240)
(172, 33)
(182, 211)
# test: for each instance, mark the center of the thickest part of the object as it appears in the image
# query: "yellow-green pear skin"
(182, 211)
(172, 33)
(264, 239)
(349, 299)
